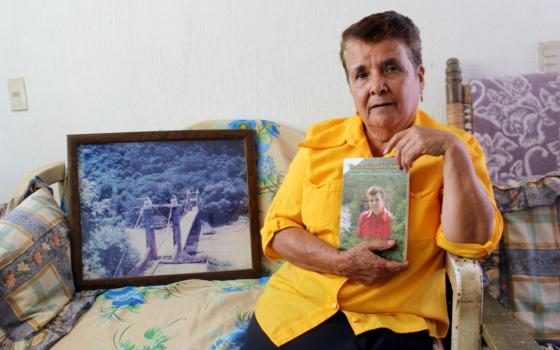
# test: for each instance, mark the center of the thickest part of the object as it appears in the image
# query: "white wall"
(104, 66)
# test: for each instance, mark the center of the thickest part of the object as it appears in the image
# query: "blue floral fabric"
(192, 314)
(269, 179)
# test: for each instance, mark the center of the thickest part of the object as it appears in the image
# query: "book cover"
(374, 205)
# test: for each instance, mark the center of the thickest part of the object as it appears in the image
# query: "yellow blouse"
(296, 300)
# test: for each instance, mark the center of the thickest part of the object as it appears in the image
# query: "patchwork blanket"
(517, 121)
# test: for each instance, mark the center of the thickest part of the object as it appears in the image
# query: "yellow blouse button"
(355, 319)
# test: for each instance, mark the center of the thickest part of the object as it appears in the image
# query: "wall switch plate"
(549, 56)
(18, 97)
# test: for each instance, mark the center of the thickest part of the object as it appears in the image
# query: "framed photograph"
(157, 207)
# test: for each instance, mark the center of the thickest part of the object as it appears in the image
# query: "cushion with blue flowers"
(35, 271)
(191, 314)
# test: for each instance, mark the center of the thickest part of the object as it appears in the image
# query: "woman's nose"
(377, 85)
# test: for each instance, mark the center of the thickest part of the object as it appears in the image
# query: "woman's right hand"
(361, 264)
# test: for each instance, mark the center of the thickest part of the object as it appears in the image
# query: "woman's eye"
(362, 75)
(391, 68)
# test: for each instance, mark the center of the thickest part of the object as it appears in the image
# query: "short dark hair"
(373, 190)
(385, 25)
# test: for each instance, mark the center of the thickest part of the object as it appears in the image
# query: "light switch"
(18, 97)
(549, 56)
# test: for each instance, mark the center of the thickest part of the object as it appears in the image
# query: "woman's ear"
(421, 72)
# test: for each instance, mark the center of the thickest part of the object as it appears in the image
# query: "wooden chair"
(499, 329)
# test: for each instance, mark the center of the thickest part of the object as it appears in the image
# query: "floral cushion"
(35, 271)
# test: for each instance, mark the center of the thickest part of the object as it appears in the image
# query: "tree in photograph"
(222, 197)
(109, 248)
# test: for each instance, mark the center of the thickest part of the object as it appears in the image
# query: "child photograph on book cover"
(374, 204)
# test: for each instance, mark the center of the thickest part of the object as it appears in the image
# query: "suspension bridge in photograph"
(176, 242)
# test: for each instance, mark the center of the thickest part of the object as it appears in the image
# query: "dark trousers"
(337, 334)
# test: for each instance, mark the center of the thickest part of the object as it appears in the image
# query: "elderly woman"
(325, 298)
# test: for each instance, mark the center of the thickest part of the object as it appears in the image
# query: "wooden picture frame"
(150, 208)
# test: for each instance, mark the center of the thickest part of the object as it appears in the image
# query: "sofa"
(41, 308)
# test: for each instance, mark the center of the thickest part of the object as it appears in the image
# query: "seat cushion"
(190, 314)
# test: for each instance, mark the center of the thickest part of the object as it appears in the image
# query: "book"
(374, 205)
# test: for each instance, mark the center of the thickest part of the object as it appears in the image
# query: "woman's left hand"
(467, 214)
(417, 141)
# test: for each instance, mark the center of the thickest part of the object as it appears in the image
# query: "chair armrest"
(465, 276)
(51, 174)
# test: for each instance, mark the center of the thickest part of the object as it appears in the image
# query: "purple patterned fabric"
(517, 121)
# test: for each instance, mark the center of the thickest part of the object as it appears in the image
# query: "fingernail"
(391, 241)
